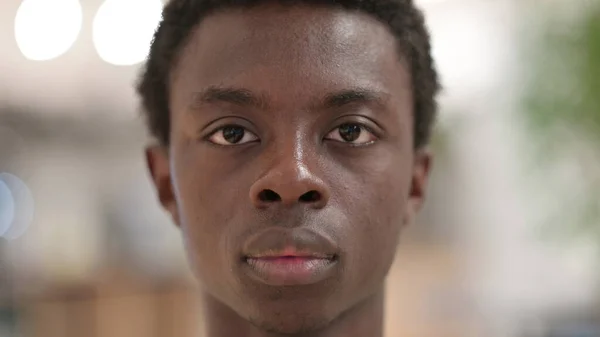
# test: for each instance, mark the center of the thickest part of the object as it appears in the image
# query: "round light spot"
(123, 30)
(7, 207)
(47, 29)
(23, 206)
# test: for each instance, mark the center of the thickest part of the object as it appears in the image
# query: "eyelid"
(337, 138)
(365, 122)
(209, 130)
(209, 137)
(225, 121)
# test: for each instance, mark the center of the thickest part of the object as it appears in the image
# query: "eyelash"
(363, 127)
(208, 137)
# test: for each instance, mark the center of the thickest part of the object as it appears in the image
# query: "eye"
(352, 133)
(232, 135)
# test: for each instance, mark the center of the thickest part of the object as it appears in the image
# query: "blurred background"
(508, 244)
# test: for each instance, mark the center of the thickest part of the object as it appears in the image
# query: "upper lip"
(285, 242)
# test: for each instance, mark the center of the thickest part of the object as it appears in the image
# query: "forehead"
(297, 51)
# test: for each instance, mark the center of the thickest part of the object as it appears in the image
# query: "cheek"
(206, 190)
(377, 233)
(204, 204)
(377, 206)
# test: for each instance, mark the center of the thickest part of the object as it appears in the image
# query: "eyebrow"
(237, 96)
(244, 97)
(354, 96)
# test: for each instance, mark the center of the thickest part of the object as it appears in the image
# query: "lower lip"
(288, 271)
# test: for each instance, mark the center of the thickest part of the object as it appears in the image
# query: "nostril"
(310, 196)
(269, 196)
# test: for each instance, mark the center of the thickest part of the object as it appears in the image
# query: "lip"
(290, 252)
(288, 257)
(290, 270)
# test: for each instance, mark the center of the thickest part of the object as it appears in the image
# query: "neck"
(364, 319)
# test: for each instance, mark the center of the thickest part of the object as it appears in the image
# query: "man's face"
(291, 167)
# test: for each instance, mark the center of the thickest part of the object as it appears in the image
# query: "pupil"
(233, 134)
(350, 132)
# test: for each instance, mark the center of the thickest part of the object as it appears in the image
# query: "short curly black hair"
(180, 17)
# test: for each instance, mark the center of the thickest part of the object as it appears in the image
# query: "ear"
(418, 189)
(157, 159)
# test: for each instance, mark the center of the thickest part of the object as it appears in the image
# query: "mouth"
(290, 253)
(290, 258)
(289, 270)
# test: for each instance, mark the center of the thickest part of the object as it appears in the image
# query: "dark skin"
(298, 120)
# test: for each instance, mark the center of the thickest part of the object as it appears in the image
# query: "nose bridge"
(294, 165)
(300, 152)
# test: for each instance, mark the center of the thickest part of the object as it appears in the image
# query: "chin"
(290, 311)
(290, 321)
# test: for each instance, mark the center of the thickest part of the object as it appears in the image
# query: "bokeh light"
(7, 207)
(22, 204)
(46, 29)
(123, 30)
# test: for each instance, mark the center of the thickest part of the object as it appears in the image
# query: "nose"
(289, 183)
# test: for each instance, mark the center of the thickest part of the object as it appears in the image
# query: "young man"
(291, 154)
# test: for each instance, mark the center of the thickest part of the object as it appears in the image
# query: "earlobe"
(157, 159)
